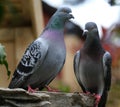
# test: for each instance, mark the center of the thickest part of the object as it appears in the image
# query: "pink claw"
(87, 93)
(30, 90)
(98, 97)
(50, 89)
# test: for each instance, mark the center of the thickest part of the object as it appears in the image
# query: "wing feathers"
(76, 64)
(107, 60)
(36, 52)
(76, 69)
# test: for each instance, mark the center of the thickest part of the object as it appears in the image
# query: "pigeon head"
(59, 18)
(91, 30)
(92, 42)
(90, 25)
(64, 13)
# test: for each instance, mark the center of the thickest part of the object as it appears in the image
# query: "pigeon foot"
(50, 89)
(98, 97)
(86, 93)
(30, 90)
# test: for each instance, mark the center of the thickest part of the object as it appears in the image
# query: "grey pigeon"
(92, 66)
(44, 57)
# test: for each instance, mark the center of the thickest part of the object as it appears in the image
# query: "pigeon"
(92, 66)
(44, 57)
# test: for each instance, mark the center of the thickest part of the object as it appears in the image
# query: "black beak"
(85, 33)
(70, 16)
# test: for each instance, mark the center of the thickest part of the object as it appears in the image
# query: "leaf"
(2, 54)
(3, 60)
(6, 65)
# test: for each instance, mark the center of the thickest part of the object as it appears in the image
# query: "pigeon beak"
(70, 16)
(85, 33)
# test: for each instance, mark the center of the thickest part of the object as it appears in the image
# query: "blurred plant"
(3, 60)
(114, 2)
(63, 87)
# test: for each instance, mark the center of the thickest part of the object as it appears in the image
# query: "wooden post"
(37, 16)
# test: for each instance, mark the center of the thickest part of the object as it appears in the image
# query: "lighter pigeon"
(44, 58)
(92, 66)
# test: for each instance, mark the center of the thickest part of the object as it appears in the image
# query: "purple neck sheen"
(53, 35)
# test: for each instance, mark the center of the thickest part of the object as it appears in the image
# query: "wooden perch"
(21, 98)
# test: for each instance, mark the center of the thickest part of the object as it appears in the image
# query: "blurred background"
(21, 22)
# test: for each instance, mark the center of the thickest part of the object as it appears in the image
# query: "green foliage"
(63, 87)
(3, 60)
(114, 2)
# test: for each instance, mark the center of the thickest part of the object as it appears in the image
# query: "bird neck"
(53, 34)
(93, 46)
(55, 23)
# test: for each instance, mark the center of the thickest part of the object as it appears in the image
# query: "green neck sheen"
(56, 23)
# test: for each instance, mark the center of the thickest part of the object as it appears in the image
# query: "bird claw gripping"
(97, 100)
(50, 89)
(30, 90)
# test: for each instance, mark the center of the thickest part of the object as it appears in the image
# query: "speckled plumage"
(44, 57)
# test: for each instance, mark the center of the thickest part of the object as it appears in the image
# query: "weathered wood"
(16, 13)
(6, 34)
(37, 16)
(21, 98)
(23, 37)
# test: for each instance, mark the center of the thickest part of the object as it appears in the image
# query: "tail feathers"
(103, 99)
(17, 81)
